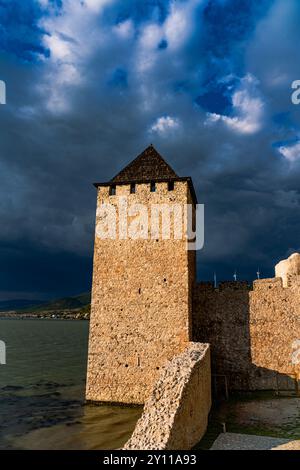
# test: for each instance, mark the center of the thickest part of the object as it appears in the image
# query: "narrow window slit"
(152, 187)
(112, 190)
(170, 185)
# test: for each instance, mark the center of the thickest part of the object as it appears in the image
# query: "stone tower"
(142, 287)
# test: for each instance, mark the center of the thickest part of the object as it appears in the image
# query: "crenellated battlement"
(205, 286)
(267, 284)
(234, 285)
(257, 285)
(224, 285)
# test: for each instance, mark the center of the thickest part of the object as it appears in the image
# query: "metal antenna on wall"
(235, 275)
(258, 274)
(215, 280)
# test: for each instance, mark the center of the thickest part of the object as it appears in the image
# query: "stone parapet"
(176, 413)
(266, 284)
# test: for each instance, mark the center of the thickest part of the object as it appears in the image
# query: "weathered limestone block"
(288, 269)
(175, 415)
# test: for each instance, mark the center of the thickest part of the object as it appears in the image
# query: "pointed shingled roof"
(146, 167)
(149, 165)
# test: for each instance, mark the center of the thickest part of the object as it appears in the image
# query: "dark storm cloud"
(207, 84)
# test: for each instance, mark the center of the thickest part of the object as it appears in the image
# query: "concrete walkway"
(234, 441)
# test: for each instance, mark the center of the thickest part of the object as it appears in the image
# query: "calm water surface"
(42, 391)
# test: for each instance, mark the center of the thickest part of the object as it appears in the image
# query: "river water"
(42, 390)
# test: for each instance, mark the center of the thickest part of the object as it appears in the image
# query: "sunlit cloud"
(290, 152)
(247, 109)
(165, 125)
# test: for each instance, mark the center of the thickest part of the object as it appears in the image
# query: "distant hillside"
(76, 307)
(66, 303)
(18, 304)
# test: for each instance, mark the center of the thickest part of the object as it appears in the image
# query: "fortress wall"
(252, 333)
(176, 413)
(220, 318)
(275, 326)
(141, 303)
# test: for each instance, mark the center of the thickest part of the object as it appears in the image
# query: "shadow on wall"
(251, 333)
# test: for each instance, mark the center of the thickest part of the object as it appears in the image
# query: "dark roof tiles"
(149, 165)
(146, 167)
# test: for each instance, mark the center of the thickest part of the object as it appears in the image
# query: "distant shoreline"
(74, 314)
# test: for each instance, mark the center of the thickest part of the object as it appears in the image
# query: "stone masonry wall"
(275, 332)
(253, 333)
(175, 415)
(141, 303)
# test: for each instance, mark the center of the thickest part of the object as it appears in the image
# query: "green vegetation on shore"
(75, 307)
